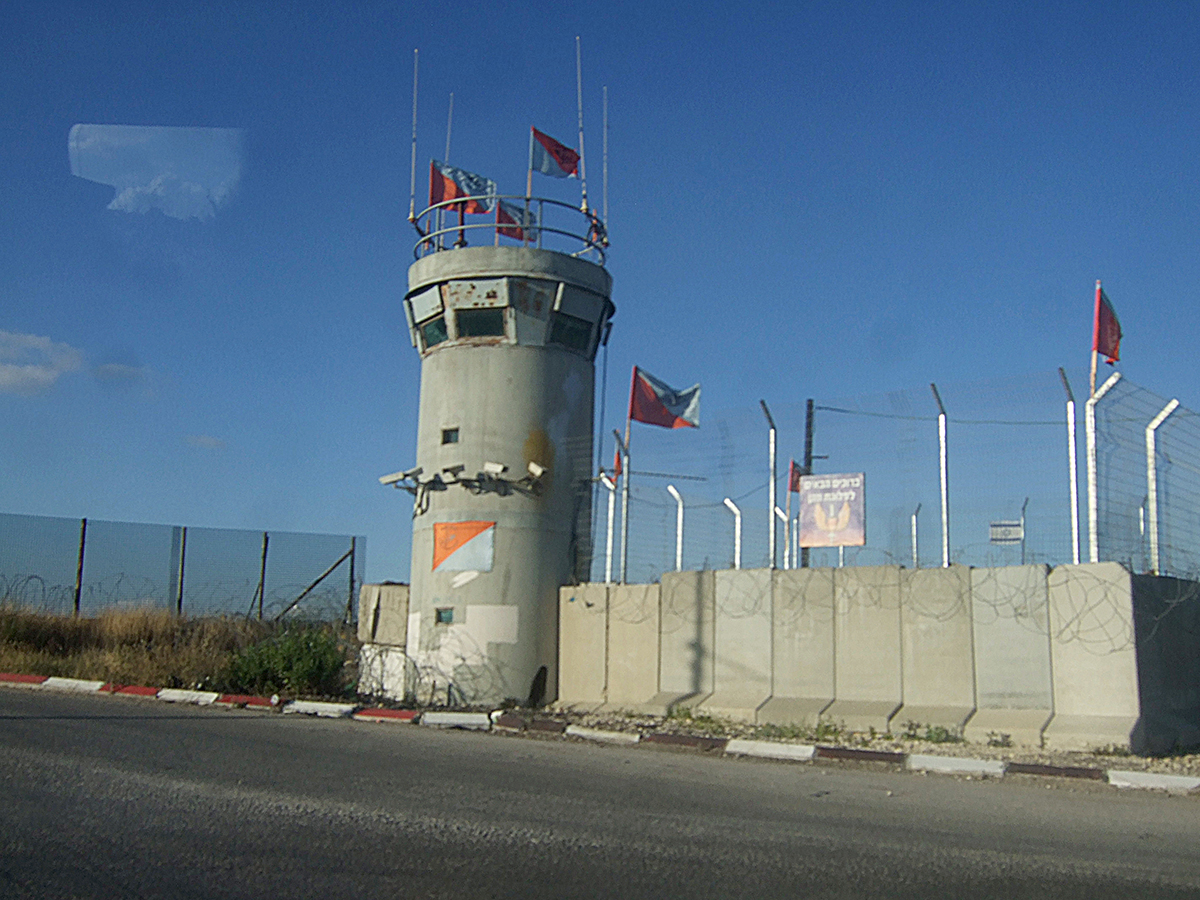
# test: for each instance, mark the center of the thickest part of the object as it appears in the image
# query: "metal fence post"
(608, 539)
(787, 537)
(182, 564)
(943, 465)
(737, 532)
(1089, 417)
(350, 595)
(262, 576)
(771, 506)
(1152, 482)
(916, 558)
(678, 527)
(1072, 467)
(79, 566)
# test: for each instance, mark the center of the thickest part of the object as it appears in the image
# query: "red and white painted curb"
(507, 721)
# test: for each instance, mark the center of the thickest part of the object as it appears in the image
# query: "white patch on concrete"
(382, 671)
(492, 624)
(463, 578)
(200, 698)
(412, 644)
(473, 721)
(1175, 784)
(607, 737)
(75, 685)
(320, 708)
(953, 765)
(770, 750)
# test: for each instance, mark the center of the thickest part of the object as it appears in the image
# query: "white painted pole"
(943, 464)
(787, 537)
(1023, 506)
(678, 527)
(1152, 482)
(771, 506)
(623, 449)
(1089, 419)
(1072, 467)
(737, 532)
(916, 557)
(608, 539)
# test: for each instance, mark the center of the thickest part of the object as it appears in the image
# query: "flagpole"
(446, 160)
(579, 104)
(788, 512)
(625, 484)
(528, 192)
(605, 158)
(1095, 340)
(412, 187)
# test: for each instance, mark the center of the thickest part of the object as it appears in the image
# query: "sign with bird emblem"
(833, 510)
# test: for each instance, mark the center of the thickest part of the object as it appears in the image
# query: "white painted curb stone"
(320, 708)
(770, 750)
(200, 698)
(608, 737)
(955, 765)
(76, 685)
(1175, 784)
(475, 721)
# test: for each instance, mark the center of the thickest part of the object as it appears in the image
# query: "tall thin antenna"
(449, 123)
(605, 149)
(579, 99)
(412, 184)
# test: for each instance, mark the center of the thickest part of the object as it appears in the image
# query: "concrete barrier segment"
(858, 755)
(686, 740)
(954, 765)
(16, 679)
(1021, 768)
(320, 708)
(605, 737)
(200, 698)
(135, 690)
(770, 750)
(243, 700)
(74, 685)
(1149, 781)
(468, 720)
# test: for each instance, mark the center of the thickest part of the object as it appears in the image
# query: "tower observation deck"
(507, 318)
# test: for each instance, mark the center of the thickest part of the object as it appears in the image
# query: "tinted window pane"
(480, 322)
(433, 332)
(571, 332)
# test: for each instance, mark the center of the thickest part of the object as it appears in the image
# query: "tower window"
(444, 615)
(449, 435)
(480, 322)
(433, 332)
(571, 332)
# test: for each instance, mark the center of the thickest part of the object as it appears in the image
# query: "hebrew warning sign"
(833, 510)
(463, 546)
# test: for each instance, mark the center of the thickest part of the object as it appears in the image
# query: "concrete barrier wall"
(867, 682)
(633, 636)
(1078, 657)
(383, 614)
(741, 644)
(802, 642)
(1093, 656)
(685, 673)
(937, 656)
(583, 638)
(1011, 624)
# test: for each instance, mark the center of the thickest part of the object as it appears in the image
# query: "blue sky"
(805, 200)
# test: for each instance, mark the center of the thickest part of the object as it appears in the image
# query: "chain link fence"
(87, 566)
(1008, 461)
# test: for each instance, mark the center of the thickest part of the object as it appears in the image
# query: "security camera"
(535, 470)
(413, 473)
(494, 469)
(453, 471)
(393, 478)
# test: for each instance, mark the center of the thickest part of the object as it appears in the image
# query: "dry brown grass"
(137, 646)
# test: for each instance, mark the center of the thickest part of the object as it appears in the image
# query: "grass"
(156, 648)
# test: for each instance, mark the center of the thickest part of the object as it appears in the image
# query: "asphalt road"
(111, 798)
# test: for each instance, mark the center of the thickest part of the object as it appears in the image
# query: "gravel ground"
(1183, 764)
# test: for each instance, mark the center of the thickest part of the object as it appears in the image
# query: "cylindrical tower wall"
(502, 518)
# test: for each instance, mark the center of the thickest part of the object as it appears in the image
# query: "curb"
(503, 721)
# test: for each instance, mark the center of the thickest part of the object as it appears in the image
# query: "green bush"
(301, 659)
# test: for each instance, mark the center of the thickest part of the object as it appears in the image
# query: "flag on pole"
(548, 156)
(657, 403)
(794, 472)
(1106, 330)
(449, 183)
(508, 214)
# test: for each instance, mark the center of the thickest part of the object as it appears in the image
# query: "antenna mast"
(605, 154)
(579, 103)
(412, 184)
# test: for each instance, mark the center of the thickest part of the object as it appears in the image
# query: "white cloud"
(31, 364)
(186, 173)
(206, 441)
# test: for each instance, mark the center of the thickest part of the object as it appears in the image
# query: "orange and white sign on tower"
(464, 546)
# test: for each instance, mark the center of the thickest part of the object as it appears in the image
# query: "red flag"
(656, 403)
(617, 463)
(510, 217)
(793, 477)
(450, 183)
(1106, 330)
(548, 156)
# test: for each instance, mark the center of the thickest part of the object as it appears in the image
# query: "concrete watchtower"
(502, 516)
